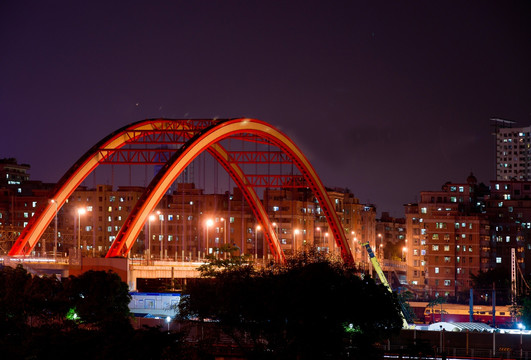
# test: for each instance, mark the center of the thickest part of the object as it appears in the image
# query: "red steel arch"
(207, 139)
(207, 133)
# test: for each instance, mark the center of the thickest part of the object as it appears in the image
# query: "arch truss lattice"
(188, 139)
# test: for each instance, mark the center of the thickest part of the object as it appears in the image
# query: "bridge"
(255, 154)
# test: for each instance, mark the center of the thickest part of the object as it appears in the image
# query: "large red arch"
(207, 134)
(208, 138)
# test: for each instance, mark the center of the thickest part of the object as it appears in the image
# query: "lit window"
(447, 282)
(498, 260)
(435, 247)
(423, 210)
(436, 270)
(446, 247)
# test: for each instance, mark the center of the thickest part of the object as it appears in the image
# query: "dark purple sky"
(385, 98)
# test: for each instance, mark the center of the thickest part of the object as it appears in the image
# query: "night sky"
(385, 98)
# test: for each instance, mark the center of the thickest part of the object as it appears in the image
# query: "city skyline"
(384, 99)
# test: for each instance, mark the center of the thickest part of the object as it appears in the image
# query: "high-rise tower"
(513, 151)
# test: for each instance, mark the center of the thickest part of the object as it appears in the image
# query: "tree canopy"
(312, 307)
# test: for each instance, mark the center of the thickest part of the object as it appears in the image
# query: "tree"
(312, 307)
(13, 299)
(100, 299)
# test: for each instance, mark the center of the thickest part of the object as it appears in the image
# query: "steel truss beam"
(259, 157)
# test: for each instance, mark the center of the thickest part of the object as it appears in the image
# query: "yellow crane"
(383, 280)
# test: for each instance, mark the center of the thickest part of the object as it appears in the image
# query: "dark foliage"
(33, 323)
(99, 298)
(310, 308)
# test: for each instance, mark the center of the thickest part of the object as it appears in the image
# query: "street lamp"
(148, 245)
(256, 241)
(224, 230)
(209, 223)
(55, 235)
(404, 251)
(380, 246)
(320, 233)
(168, 320)
(161, 218)
(353, 233)
(277, 233)
(80, 211)
(295, 233)
(326, 239)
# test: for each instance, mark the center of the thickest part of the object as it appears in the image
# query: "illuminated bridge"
(254, 154)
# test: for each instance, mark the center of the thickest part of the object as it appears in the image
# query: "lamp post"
(208, 223)
(295, 233)
(55, 235)
(258, 227)
(320, 233)
(161, 218)
(353, 233)
(148, 245)
(277, 233)
(224, 230)
(404, 251)
(380, 246)
(168, 320)
(326, 239)
(80, 211)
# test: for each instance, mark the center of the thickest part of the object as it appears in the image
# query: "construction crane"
(383, 280)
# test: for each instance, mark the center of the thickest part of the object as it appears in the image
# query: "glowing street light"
(168, 320)
(353, 233)
(404, 251)
(80, 211)
(161, 218)
(258, 227)
(55, 235)
(224, 230)
(320, 235)
(148, 245)
(295, 233)
(380, 246)
(208, 223)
